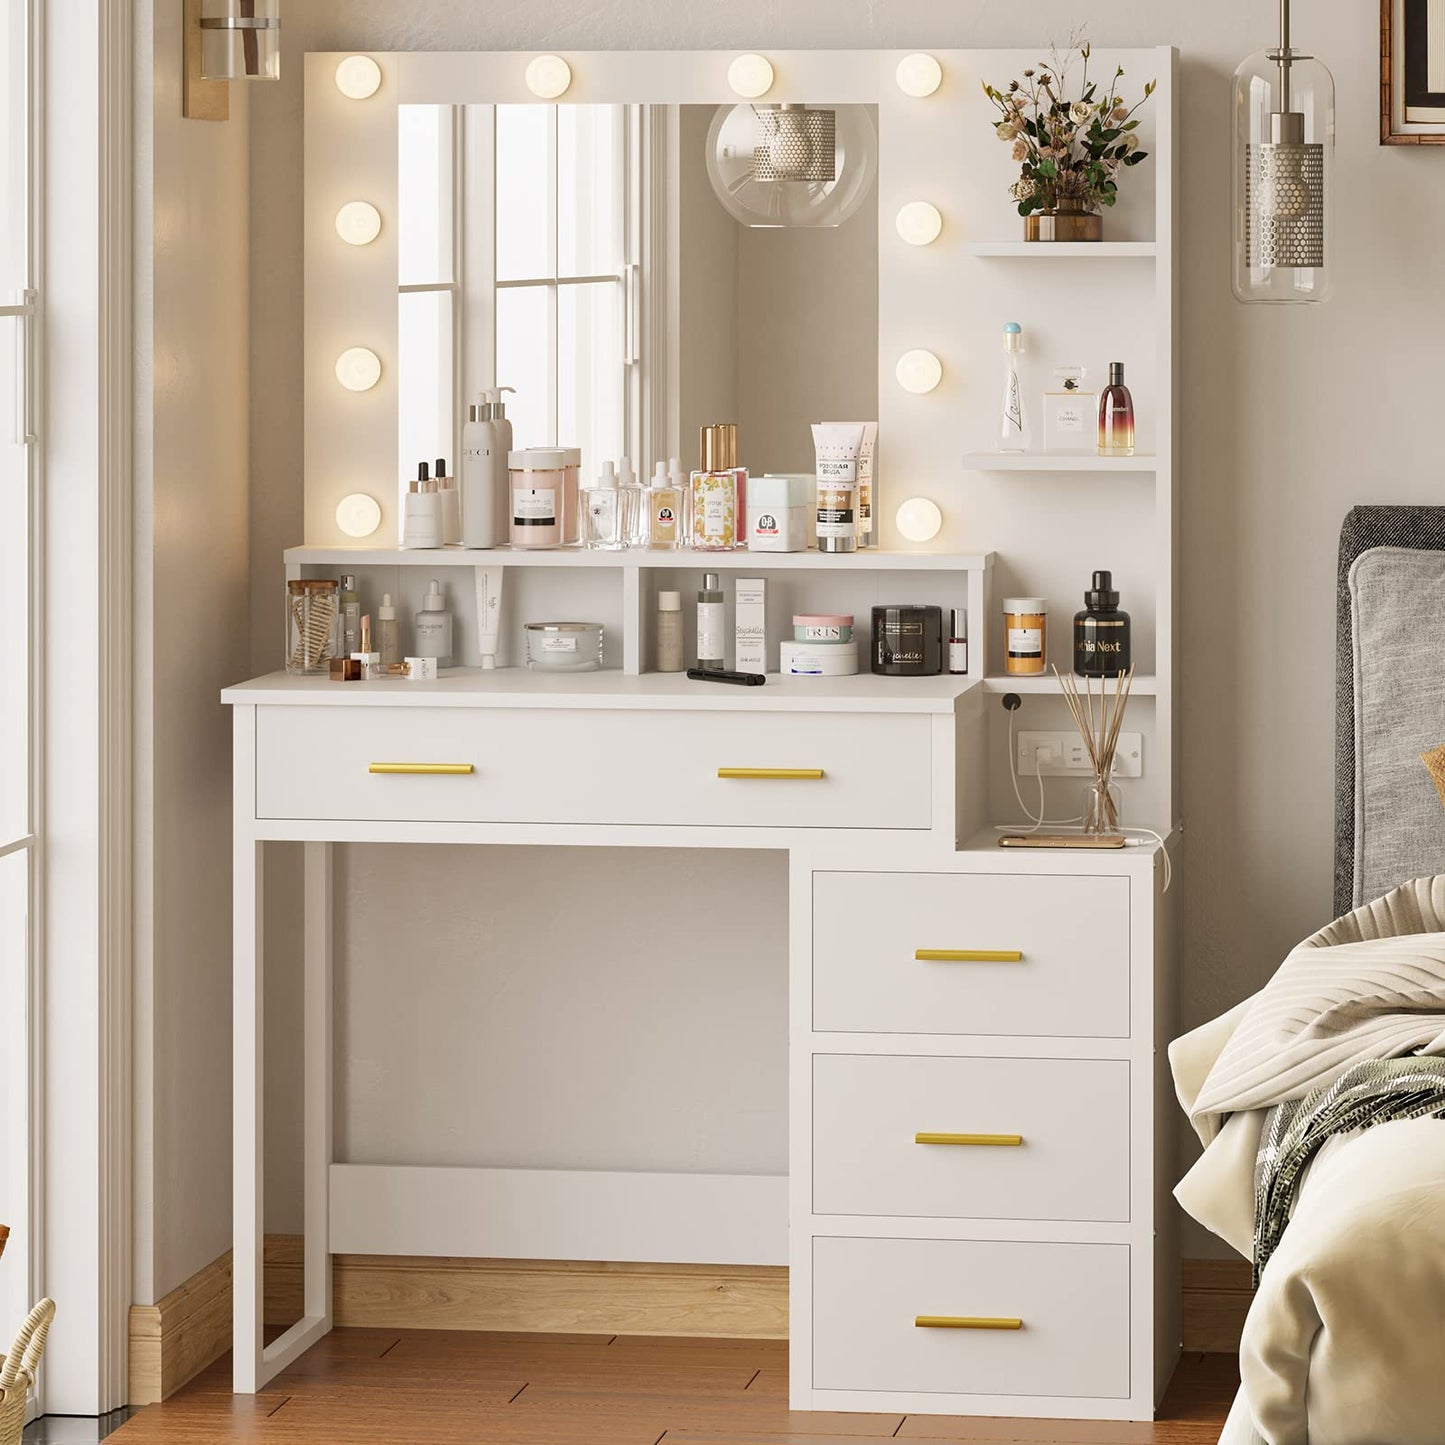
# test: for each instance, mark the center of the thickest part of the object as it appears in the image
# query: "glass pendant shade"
(1284, 143)
(792, 165)
(240, 39)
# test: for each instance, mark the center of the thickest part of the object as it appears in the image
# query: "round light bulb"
(548, 76)
(358, 223)
(358, 515)
(919, 371)
(358, 77)
(751, 76)
(919, 223)
(919, 520)
(358, 369)
(919, 75)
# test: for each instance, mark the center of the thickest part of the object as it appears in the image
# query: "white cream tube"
(489, 613)
(837, 445)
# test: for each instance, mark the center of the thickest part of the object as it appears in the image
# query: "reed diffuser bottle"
(1116, 416)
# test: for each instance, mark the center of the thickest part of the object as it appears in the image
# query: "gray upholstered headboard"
(1389, 700)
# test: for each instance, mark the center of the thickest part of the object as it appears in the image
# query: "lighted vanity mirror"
(637, 271)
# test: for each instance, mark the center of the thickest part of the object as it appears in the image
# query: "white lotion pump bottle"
(501, 445)
(434, 627)
(481, 506)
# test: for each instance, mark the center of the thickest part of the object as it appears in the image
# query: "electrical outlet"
(1063, 755)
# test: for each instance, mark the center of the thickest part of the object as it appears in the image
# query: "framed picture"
(1412, 72)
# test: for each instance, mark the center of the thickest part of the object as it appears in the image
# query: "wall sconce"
(919, 372)
(919, 223)
(358, 369)
(548, 76)
(358, 515)
(358, 223)
(919, 75)
(919, 520)
(358, 77)
(750, 76)
(226, 40)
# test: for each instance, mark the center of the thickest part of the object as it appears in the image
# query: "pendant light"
(1284, 142)
(792, 165)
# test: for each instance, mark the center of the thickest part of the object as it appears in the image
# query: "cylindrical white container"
(564, 646)
(817, 659)
(777, 512)
(543, 486)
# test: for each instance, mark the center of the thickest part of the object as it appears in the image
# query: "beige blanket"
(1342, 1343)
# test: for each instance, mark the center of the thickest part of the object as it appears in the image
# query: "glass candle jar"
(564, 646)
(1025, 621)
(312, 608)
(542, 482)
(907, 641)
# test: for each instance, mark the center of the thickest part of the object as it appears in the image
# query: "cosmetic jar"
(908, 641)
(313, 605)
(817, 659)
(777, 512)
(564, 646)
(543, 490)
(1026, 624)
(822, 627)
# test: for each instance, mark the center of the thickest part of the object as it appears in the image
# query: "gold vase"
(1068, 221)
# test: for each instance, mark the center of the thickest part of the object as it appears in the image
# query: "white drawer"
(585, 766)
(1006, 1138)
(1072, 1302)
(1064, 941)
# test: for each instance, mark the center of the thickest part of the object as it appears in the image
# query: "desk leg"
(318, 1077)
(248, 1088)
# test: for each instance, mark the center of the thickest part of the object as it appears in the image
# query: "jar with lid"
(312, 608)
(543, 483)
(1026, 622)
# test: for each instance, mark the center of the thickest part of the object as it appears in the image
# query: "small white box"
(750, 625)
(421, 669)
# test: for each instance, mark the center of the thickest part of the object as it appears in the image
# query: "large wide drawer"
(971, 1138)
(971, 953)
(774, 770)
(965, 1317)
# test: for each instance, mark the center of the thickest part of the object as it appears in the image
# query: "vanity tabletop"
(610, 688)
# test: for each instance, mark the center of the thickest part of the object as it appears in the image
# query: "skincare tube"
(837, 445)
(489, 613)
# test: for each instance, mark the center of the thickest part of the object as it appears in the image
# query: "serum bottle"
(349, 602)
(664, 511)
(434, 627)
(388, 632)
(711, 647)
(1013, 419)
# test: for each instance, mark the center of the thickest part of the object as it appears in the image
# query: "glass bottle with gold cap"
(717, 493)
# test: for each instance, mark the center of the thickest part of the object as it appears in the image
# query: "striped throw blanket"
(1376, 1092)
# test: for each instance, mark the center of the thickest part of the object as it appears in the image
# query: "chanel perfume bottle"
(1116, 416)
(1070, 413)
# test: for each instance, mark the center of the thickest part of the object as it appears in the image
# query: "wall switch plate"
(1063, 755)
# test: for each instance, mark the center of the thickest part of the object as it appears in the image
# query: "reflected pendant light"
(792, 165)
(1284, 141)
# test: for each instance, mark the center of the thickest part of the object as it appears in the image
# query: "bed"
(1342, 1344)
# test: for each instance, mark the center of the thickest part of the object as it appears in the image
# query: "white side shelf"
(1064, 250)
(1144, 685)
(873, 559)
(1057, 462)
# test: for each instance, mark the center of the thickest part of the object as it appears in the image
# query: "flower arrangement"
(1070, 151)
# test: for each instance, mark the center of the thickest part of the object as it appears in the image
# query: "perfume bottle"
(1068, 411)
(663, 511)
(1014, 422)
(632, 497)
(1116, 416)
(602, 516)
(1101, 632)
(717, 491)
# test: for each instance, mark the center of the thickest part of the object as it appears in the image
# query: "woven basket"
(17, 1371)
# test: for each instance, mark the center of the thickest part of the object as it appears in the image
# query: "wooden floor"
(360, 1386)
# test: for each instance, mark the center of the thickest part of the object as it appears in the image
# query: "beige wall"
(192, 638)
(1289, 416)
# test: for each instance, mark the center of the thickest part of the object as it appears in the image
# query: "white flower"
(1131, 143)
(1020, 102)
(1006, 129)
(1079, 112)
(1021, 149)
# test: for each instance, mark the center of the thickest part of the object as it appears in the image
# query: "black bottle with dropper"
(1101, 632)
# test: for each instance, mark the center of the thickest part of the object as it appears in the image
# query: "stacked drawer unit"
(975, 1233)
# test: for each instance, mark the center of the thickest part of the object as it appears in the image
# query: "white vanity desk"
(975, 1213)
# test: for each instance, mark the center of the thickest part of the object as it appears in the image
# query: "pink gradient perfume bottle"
(1116, 416)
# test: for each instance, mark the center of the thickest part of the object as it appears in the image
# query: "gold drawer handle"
(426, 770)
(807, 775)
(968, 955)
(1007, 1141)
(965, 1322)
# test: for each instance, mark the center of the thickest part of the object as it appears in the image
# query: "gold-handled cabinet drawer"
(570, 765)
(963, 1138)
(966, 953)
(971, 1317)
